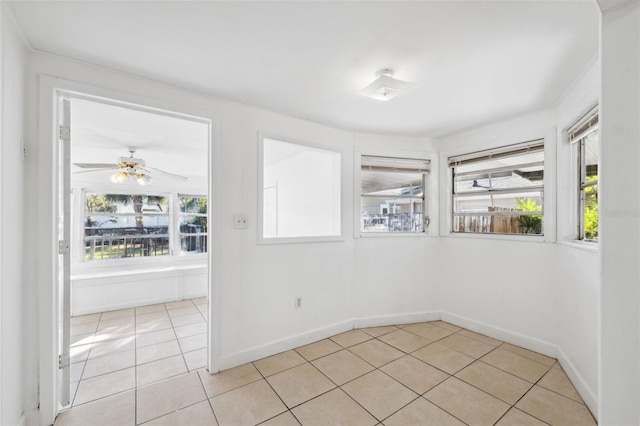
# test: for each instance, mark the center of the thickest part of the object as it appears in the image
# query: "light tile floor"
(146, 366)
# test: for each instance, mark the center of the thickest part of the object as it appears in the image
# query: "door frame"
(46, 251)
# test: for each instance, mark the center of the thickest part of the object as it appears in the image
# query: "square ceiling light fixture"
(385, 87)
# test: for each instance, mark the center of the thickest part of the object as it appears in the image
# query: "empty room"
(320, 212)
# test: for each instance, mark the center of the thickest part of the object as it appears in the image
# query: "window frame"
(577, 133)
(173, 231)
(544, 137)
(330, 147)
(431, 191)
(426, 217)
(84, 214)
(179, 234)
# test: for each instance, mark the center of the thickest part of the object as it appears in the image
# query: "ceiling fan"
(128, 167)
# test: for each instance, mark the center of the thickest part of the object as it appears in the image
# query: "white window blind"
(497, 153)
(395, 165)
(585, 126)
(500, 190)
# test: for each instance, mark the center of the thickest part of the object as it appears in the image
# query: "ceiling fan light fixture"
(385, 87)
(128, 167)
(144, 179)
(120, 177)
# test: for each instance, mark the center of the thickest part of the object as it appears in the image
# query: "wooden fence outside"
(497, 224)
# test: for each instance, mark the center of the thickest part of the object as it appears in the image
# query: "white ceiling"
(101, 133)
(472, 61)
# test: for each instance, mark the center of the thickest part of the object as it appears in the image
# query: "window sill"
(502, 237)
(366, 235)
(132, 265)
(159, 272)
(299, 240)
(581, 245)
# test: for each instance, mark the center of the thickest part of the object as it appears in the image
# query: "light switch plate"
(240, 221)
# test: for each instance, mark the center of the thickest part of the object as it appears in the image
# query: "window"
(138, 225)
(584, 134)
(499, 191)
(301, 191)
(392, 194)
(120, 225)
(193, 224)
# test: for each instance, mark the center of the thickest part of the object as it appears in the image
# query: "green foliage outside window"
(531, 224)
(99, 203)
(194, 205)
(591, 210)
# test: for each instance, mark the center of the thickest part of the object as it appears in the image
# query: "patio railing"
(114, 243)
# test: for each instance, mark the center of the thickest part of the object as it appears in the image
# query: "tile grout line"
(356, 378)
(525, 394)
(170, 377)
(206, 396)
(327, 377)
(274, 391)
(173, 329)
(554, 392)
(510, 406)
(86, 361)
(419, 395)
(105, 396)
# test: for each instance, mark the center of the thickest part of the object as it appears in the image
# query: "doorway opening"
(133, 233)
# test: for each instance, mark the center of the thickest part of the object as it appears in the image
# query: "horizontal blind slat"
(496, 153)
(585, 125)
(393, 164)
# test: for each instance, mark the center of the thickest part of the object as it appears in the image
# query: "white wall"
(540, 293)
(619, 224)
(256, 283)
(101, 292)
(395, 277)
(505, 283)
(578, 273)
(11, 222)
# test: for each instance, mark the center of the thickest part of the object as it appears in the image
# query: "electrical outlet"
(240, 221)
(297, 303)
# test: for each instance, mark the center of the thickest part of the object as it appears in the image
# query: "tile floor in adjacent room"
(146, 366)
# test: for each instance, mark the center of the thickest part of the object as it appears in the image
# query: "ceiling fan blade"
(97, 165)
(171, 175)
(93, 170)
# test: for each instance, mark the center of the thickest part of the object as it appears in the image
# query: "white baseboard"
(241, 357)
(531, 343)
(588, 395)
(395, 319)
(109, 291)
(118, 306)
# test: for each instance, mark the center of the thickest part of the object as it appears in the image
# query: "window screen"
(499, 191)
